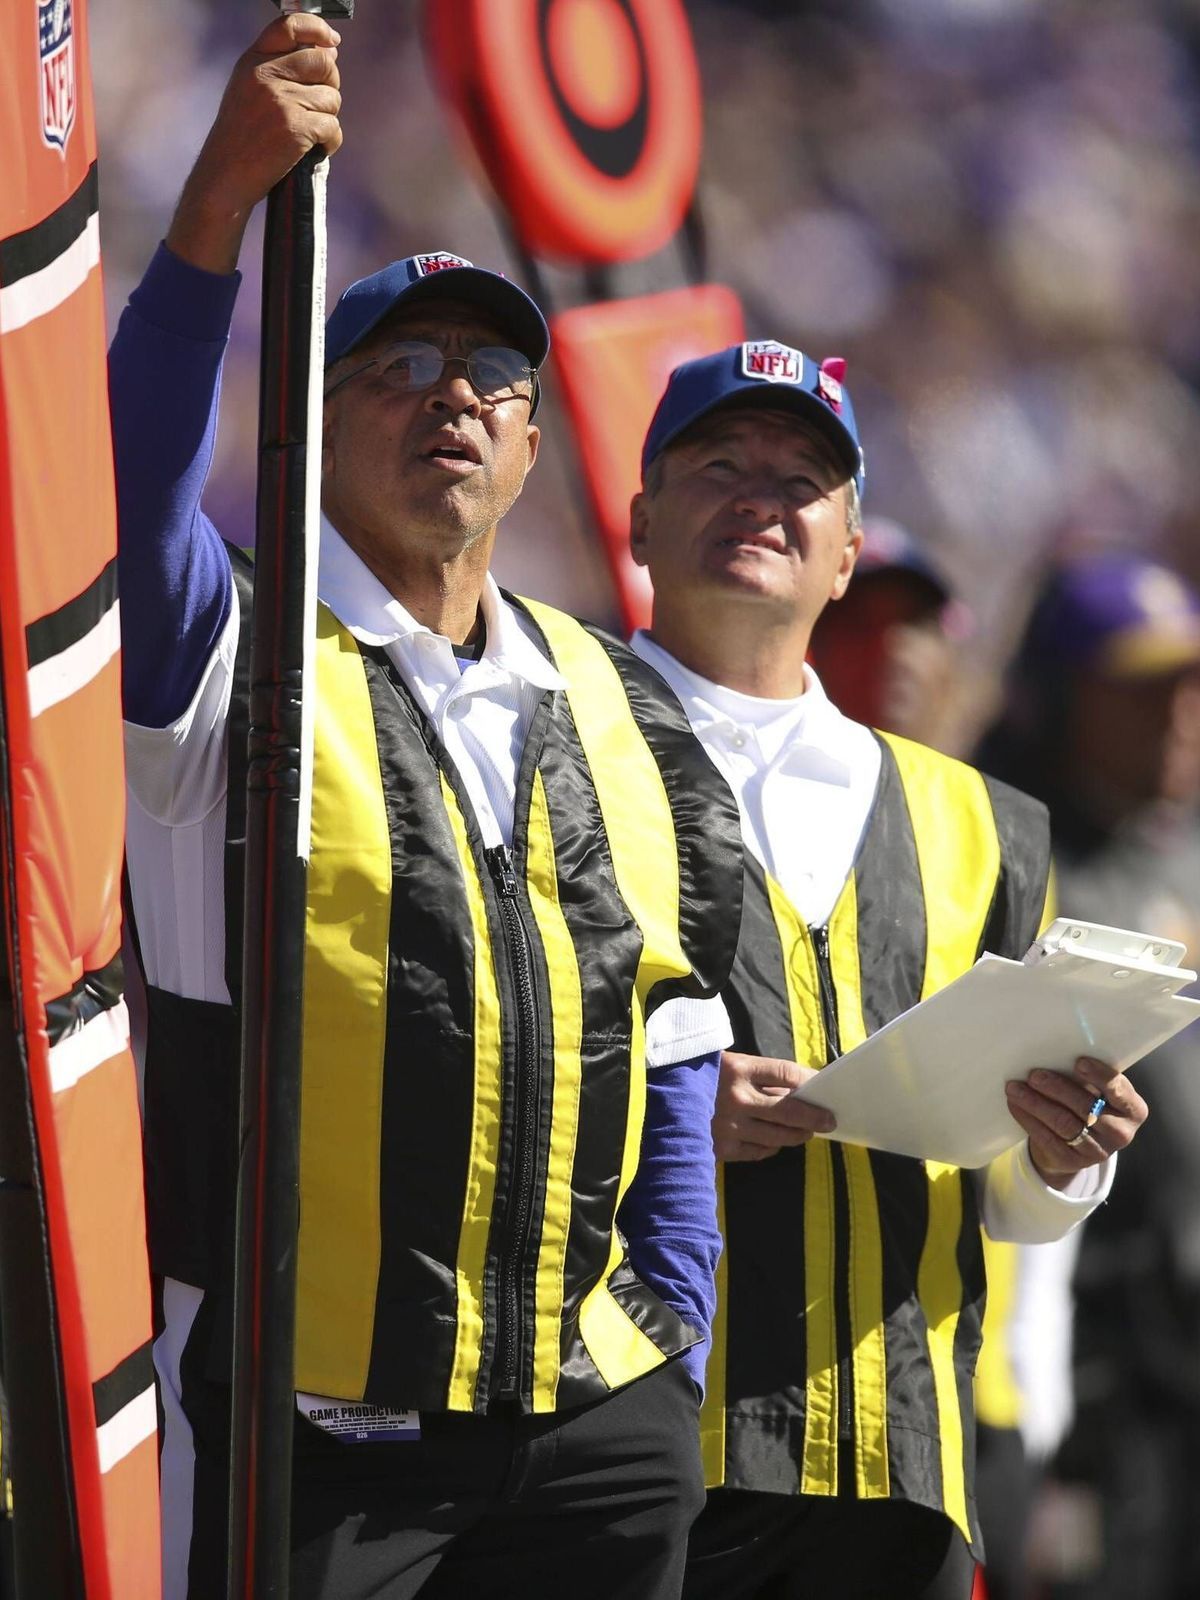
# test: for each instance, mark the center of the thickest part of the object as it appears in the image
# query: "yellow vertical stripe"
(712, 1412)
(869, 1352)
(800, 975)
(939, 1287)
(567, 1010)
(345, 1022)
(485, 1131)
(819, 1463)
(958, 854)
(619, 1348)
(997, 1393)
(847, 974)
(1050, 904)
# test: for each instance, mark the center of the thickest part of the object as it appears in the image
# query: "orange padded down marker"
(585, 114)
(612, 361)
(64, 801)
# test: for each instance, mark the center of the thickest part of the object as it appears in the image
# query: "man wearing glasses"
(507, 1222)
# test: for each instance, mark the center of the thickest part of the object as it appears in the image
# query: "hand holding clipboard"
(931, 1083)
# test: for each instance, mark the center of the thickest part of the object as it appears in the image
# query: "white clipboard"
(930, 1083)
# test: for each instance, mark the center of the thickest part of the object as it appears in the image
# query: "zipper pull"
(500, 866)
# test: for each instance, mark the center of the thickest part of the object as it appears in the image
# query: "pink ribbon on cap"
(830, 378)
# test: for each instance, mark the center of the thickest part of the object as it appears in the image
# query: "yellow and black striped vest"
(474, 1064)
(852, 1285)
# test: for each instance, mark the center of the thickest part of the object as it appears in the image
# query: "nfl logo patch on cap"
(438, 261)
(771, 362)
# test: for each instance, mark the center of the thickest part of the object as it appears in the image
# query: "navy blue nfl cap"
(760, 372)
(435, 276)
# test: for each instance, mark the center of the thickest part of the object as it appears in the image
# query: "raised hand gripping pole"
(278, 812)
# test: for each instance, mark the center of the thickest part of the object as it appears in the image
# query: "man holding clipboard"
(838, 1420)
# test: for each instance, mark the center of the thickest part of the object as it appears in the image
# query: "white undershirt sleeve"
(175, 835)
(1017, 1204)
(683, 1030)
(177, 773)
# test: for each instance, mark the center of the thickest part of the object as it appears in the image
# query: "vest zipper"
(841, 1215)
(518, 1217)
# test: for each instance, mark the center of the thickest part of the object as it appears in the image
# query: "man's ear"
(854, 543)
(534, 439)
(639, 528)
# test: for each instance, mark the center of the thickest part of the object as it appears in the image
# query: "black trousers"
(747, 1546)
(1006, 1485)
(589, 1504)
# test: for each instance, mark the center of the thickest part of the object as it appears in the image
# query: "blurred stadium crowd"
(992, 209)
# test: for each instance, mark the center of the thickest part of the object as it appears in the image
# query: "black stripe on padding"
(128, 1379)
(25, 253)
(95, 992)
(58, 630)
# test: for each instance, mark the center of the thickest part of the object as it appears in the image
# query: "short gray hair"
(853, 509)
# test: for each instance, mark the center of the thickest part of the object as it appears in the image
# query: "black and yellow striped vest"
(474, 1067)
(852, 1285)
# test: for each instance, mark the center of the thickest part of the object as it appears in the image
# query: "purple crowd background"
(991, 207)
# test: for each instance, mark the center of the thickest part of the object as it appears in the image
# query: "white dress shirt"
(803, 774)
(805, 778)
(481, 710)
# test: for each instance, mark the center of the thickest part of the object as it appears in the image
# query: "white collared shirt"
(481, 710)
(805, 778)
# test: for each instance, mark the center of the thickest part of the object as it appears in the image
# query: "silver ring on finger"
(1073, 1144)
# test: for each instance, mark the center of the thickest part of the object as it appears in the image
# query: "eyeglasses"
(494, 372)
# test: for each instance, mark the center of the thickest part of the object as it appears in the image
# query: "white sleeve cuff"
(177, 773)
(682, 1030)
(1017, 1204)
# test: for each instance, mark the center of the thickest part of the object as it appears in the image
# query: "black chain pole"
(277, 817)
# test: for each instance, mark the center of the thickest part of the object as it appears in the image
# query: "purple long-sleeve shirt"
(175, 580)
(176, 591)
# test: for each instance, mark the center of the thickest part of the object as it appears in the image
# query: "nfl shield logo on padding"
(56, 75)
(771, 361)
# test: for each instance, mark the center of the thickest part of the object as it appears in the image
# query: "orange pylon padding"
(59, 633)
